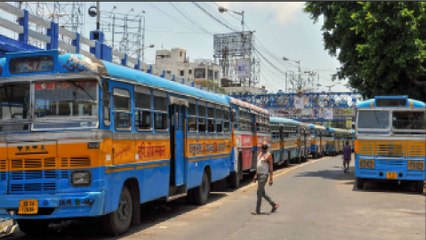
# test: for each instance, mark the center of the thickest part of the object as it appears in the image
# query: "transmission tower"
(69, 15)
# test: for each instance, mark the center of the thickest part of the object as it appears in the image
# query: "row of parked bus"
(80, 137)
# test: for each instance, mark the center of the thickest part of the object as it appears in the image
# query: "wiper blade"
(81, 88)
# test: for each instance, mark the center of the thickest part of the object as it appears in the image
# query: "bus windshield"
(408, 120)
(66, 99)
(373, 119)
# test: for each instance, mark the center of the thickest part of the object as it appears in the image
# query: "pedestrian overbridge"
(335, 107)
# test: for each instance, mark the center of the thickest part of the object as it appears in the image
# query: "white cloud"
(282, 12)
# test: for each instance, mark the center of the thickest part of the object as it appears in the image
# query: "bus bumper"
(398, 175)
(70, 205)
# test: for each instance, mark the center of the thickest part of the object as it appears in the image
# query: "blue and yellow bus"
(390, 140)
(318, 142)
(80, 137)
(286, 142)
(250, 129)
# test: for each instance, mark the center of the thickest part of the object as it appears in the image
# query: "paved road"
(318, 201)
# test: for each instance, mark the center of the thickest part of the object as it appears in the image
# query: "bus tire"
(234, 180)
(359, 183)
(118, 222)
(33, 227)
(286, 163)
(419, 187)
(202, 192)
(235, 177)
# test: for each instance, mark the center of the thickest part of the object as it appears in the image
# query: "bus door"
(177, 111)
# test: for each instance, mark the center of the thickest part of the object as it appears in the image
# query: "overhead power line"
(212, 16)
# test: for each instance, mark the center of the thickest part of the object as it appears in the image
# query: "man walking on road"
(264, 166)
(346, 157)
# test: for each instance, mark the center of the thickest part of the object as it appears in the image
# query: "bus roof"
(282, 120)
(391, 101)
(314, 126)
(78, 63)
(250, 106)
(118, 71)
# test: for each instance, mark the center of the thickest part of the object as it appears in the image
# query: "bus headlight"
(366, 163)
(415, 165)
(81, 178)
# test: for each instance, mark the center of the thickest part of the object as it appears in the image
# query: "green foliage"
(381, 45)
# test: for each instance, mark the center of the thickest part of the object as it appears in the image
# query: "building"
(175, 62)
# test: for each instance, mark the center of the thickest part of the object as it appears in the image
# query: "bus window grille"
(28, 175)
(2, 169)
(50, 174)
(17, 175)
(390, 150)
(64, 174)
(417, 150)
(17, 164)
(49, 162)
(367, 148)
(32, 187)
(32, 163)
(80, 162)
(17, 187)
(64, 162)
(49, 187)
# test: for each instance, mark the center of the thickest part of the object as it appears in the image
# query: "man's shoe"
(274, 208)
(255, 213)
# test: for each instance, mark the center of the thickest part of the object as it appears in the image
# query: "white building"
(175, 62)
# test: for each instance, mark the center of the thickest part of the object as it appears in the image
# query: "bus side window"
(122, 113)
(192, 118)
(106, 103)
(143, 112)
(201, 117)
(234, 119)
(219, 119)
(160, 111)
(211, 120)
(226, 125)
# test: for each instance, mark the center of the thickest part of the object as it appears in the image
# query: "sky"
(281, 27)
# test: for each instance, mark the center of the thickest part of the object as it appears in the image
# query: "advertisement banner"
(243, 68)
(299, 102)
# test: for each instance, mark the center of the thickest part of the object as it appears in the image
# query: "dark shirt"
(347, 152)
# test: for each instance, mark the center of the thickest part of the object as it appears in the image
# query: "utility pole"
(143, 37)
(98, 16)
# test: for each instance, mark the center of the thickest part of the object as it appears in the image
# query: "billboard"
(233, 44)
(243, 68)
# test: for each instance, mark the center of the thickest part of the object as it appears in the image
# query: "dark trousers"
(261, 182)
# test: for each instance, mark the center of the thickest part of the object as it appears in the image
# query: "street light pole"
(98, 16)
(113, 26)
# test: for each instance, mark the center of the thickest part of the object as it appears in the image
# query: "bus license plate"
(28, 207)
(391, 175)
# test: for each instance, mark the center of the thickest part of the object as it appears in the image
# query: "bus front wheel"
(419, 186)
(118, 222)
(34, 228)
(359, 183)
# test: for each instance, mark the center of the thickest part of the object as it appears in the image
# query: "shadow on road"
(335, 174)
(152, 213)
(391, 187)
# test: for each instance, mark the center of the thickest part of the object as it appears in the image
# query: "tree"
(381, 45)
